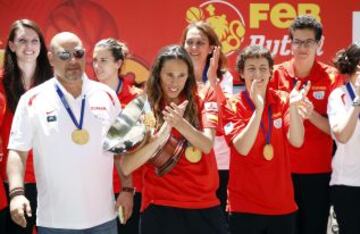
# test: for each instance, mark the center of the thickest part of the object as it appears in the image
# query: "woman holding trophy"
(180, 175)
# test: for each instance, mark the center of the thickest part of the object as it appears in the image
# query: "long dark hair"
(12, 82)
(156, 94)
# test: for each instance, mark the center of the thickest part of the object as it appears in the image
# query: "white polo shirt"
(74, 182)
(346, 162)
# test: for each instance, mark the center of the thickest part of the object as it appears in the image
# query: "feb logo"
(224, 18)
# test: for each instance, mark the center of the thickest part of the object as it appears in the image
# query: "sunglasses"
(67, 55)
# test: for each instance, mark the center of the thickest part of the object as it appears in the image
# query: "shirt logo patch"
(278, 123)
(228, 128)
(51, 118)
(211, 106)
(319, 95)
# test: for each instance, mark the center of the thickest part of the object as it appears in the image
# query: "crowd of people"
(262, 161)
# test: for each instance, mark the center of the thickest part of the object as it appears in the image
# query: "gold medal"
(193, 154)
(80, 136)
(268, 152)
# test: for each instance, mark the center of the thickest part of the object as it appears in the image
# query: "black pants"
(132, 225)
(346, 201)
(169, 220)
(222, 190)
(3, 220)
(312, 195)
(244, 223)
(31, 195)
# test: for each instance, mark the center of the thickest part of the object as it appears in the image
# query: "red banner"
(146, 26)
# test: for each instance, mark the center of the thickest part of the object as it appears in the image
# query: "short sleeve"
(210, 110)
(21, 134)
(336, 107)
(232, 120)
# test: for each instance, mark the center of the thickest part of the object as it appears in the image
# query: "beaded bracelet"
(16, 192)
(128, 190)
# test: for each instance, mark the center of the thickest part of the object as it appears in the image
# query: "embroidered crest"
(228, 128)
(278, 123)
(319, 95)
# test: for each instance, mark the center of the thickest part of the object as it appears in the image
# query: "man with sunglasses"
(64, 121)
(311, 164)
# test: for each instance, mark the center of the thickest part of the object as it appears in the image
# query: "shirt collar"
(84, 87)
(290, 70)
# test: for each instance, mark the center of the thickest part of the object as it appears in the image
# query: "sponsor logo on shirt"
(97, 108)
(278, 123)
(319, 95)
(51, 115)
(228, 128)
(211, 106)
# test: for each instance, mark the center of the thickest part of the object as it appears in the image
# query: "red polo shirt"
(310, 158)
(127, 93)
(187, 185)
(256, 185)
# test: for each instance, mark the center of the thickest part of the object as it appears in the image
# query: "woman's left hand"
(173, 114)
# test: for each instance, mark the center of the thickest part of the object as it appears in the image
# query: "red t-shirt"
(310, 158)
(187, 185)
(5, 127)
(127, 93)
(256, 185)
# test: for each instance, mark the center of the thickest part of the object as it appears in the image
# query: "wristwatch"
(356, 101)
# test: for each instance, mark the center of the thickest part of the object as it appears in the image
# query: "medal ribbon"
(68, 109)
(204, 74)
(351, 92)
(267, 134)
(118, 86)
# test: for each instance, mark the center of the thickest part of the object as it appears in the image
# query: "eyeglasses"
(67, 55)
(307, 43)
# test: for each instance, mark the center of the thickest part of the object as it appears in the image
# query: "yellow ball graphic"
(194, 14)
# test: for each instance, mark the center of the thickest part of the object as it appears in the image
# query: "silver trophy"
(131, 128)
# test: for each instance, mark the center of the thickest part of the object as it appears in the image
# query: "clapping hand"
(257, 94)
(212, 71)
(299, 100)
(173, 114)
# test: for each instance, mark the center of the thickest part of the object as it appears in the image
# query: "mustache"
(71, 67)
